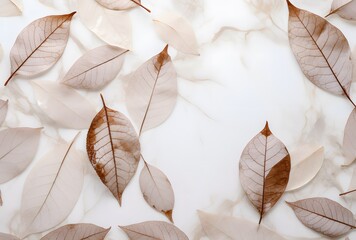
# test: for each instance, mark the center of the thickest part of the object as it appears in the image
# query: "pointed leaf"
(154, 230)
(349, 143)
(78, 232)
(226, 227)
(306, 163)
(4, 236)
(157, 190)
(39, 45)
(63, 104)
(3, 110)
(10, 8)
(324, 216)
(151, 93)
(114, 149)
(18, 147)
(51, 189)
(119, 5)
(176, 31)
(344, 8)
(264, 170)
(96, 68)
(321, 50)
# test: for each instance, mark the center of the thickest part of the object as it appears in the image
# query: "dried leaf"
(321, 50)
(264, 170)
(324, 216)
(151, 93)
(78, 232)
(122, 4)
(306, 163)
(1, 202)
(225, 227)
(4, 236)
(114, 149)
(176, 31)
(344, 8)
(3, 110)
(157, 190)
(349, 143)
(51, 189)
(352, 186)
(10, 8)
(63, 104)
(96, 68)
(154, 230)
(39, 45)
(113, 27)
(18, 147)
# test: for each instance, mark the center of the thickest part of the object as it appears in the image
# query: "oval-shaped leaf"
(306, 163)
(3, 110)
(51, 189)
(17, 149)
(119, 5)
(321, 50)
(349, 143)
(154, 230)
(157, 190)
(344, 8)
(5, 236)
(264, 170)
(324, 216)
(79, 231)
(151, 93)
(96, 68)
(39, 45)
(176, 31)
(63, 104)
(10, 8)
(114, 149)
(226, 227)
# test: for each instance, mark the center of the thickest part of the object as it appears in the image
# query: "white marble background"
(246, 74)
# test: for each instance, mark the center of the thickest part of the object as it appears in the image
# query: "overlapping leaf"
(96, 68)
(321, 50)
(157, 190)
(324, 216)
(113, 149)
(18, 147)
(352, 186)
(3, 110)
(154, 230)
(78, 232)
(39, 45)
(349, 143)
(10, 8)
(151, 94)
(264, 170)
(344, 8)
(4, 236)
(121, 5)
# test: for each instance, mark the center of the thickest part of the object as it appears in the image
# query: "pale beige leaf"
(321, 50)
(157, 190)
(352, 186)
(3, 110)
(10, 8)
(119, 4)
(113, 27)
(51, 189)
(151, 92)
(63, 104)
(229, 228)
(79, 231)
(18, 147)
(114, 149)
(306, 163)
(4, 236)
(176, 31)
(39, 45)
(264, 170)
(96, 68)
(324, 216)
(156, 230)
(349, 143)
(344, 8)
(1, 202)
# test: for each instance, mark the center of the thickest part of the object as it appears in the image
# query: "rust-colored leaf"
(114, 149)
(264, 170)
(39, 45)
(324, 216)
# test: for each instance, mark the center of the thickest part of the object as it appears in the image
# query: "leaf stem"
(345, 193)
(139, 4)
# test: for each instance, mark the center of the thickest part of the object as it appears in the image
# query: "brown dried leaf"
(5, 236)
(151, 94)
(344, 8)
(3, 110)
(154, 230)
(78, 232)
(157, 190)
(18, 147)
(321, 50)
(264, 170)
(96, 68)
(324, 216)
(114, 149)
(10, 8)
(349, 143)
(39, 45)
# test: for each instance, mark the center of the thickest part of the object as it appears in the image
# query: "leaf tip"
(266, 131)
(169, 215)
